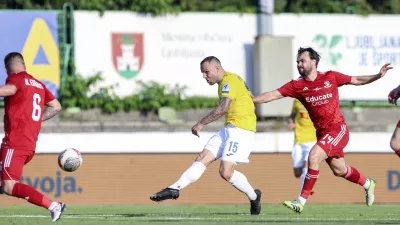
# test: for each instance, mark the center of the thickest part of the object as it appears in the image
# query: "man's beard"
(303, 72)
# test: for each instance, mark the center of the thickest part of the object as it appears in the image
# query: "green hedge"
(157, 7)
(150, 96)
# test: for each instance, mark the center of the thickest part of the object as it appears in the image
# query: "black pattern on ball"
(71, 164)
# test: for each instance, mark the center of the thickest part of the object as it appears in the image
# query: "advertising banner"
(129, 179)
(351, 44)
(35, 36)
(126, 47)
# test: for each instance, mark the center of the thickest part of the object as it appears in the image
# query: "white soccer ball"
(70, 160)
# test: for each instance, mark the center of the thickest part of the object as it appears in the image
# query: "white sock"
(192, 174)
(53, 205)
(367, 184)
(302, 200)
(239, 181)
(302, 177)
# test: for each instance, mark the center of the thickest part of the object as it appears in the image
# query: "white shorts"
(300, 154)
(231, 144)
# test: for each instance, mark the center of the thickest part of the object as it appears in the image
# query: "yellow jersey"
(241, 112)
(304, 130)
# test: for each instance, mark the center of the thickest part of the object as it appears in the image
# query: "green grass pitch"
(206, 215)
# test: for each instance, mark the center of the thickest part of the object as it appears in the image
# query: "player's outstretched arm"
(267, 97)
(362, 80)
(214, 115)
(52, 109)
(7, 90)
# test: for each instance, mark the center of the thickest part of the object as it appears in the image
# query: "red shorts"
(333, 140)
(398, 124)
(12, 163)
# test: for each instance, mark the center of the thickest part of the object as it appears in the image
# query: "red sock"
(309, 182)
(354, 176)
(397, 152)
(30, 194)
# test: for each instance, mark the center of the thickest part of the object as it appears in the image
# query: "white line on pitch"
(99, 216)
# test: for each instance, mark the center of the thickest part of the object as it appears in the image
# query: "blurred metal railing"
(66, 40)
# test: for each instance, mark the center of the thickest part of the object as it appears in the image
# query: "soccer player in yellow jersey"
(232, 143)
(304, 139)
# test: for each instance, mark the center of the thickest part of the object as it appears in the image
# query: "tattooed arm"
(214, 115)
(218, 112)
(52, 109)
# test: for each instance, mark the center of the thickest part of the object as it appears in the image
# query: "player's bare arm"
(267, 97)
(214, 115)
(394, 95)
(218, 112)
(362, 80)
(52, 109)
(7, 90)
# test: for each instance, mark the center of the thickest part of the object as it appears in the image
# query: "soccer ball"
(70, 160)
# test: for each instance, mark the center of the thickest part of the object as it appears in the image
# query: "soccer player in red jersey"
(395, 140)
(25, 101)
(318, 92)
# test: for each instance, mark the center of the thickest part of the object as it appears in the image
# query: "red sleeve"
(341, 79)
(288, 90)
(15, 80)
(48, 96)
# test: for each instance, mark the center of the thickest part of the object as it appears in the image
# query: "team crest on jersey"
(327, 84)
(225, 88)
(305, 89)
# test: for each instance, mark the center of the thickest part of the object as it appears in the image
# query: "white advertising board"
(353, 45)
(165, 49)
(127, 47)
(185, 142)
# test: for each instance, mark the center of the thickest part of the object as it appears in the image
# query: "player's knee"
(313, 161)
(315, 157)
(205, 157)
(199, 157)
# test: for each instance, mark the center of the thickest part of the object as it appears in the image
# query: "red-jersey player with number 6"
(25, 101)
(318, 92)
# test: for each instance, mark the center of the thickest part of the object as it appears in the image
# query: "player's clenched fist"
(394, 95)
(196, 129)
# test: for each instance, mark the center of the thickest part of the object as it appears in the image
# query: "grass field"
(207, 215)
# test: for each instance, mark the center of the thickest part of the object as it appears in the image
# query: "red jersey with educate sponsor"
(320, 97)
(23, 112)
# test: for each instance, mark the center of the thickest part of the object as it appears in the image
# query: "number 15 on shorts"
(233, 146)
